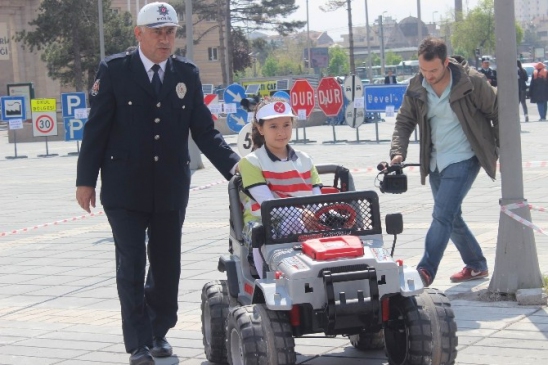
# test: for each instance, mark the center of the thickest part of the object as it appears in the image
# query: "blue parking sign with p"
(74, 127)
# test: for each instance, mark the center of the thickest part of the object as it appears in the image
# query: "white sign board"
(15, 124)
(245, 144)
(354, 117)
(353, 87)
(44, 124)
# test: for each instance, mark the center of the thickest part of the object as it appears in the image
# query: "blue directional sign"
(377, 98)
(72, 101)
(281, 94)
(74, 128)
(13, 107)
(236, 121)
(234, 94)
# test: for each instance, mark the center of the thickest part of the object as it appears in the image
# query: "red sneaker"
(467, 274)
(425, 277)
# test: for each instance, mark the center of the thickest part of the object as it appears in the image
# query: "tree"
(392, 58)
(337, 4)
(270, 67)
(67, 31)
(338, 62)
(245, 16)
(477, 30)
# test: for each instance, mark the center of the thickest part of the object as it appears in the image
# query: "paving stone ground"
(58, 302)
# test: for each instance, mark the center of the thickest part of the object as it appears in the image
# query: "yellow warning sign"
(43, 105)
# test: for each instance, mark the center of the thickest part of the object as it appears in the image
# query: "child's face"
(277, 132)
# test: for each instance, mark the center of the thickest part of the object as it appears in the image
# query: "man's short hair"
(431, 48)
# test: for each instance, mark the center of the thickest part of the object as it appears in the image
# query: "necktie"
(156, 83)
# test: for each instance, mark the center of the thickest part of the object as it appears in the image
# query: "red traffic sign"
(330, 98)
(302, 97)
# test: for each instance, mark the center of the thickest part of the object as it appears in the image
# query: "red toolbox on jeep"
(330, 248)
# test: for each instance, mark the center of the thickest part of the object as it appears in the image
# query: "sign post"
(74, 113)
(330, 101)
(302, 101)
(354, 113)
(44, 120)
(14, 112)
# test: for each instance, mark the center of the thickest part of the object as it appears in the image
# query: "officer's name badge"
(95, 87)
(180, 89)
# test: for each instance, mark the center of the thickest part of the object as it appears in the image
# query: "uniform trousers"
(149, 309)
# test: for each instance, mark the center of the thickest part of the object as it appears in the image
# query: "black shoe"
(160, 347)
(141, 356)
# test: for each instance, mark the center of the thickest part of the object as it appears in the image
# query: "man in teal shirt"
(456, 110)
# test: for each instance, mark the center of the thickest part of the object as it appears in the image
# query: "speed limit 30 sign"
(44, 117)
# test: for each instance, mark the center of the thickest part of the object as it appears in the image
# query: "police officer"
(488, 71)
(143, 105)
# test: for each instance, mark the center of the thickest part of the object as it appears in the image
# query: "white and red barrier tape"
(80, 217)
(506, 209)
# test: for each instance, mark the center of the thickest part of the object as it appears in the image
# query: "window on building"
(212, 53)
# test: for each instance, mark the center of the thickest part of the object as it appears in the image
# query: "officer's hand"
(397, 159)
(85, 195)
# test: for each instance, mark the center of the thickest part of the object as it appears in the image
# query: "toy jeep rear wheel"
(215, 303)
(421, 330)
(257, 335)
(368, 340)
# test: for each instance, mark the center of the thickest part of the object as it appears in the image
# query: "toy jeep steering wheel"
(339, 215)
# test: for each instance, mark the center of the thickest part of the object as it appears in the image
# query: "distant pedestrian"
(488, 71)
(522, 87)
(538, 90)
(390, 79)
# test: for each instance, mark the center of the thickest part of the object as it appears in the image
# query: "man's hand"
(85, 196)
(397, 159)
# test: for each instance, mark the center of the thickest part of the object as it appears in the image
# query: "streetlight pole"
(308, 37)
(419, 22)
(369, 74)
(382, 42)
(101, 32)
(433, 18)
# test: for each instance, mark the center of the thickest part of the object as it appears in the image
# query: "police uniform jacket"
(139, 141)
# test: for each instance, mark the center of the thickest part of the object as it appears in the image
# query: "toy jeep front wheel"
(257, 335)
(215, 303)
(421, 330)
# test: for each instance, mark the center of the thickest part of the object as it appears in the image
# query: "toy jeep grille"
(298, 219)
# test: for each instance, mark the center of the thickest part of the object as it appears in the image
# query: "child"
(274, 170)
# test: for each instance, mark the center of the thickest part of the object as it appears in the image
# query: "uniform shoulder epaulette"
(184, 60)
(116, 56)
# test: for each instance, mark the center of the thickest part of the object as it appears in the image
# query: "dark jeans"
(147, 310)
(522, 101)
(449, 188)
(542, 109)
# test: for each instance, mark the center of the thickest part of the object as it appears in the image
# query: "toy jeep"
(333, 276)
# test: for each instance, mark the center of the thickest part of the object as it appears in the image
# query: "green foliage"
(67, 31)
(338, 62)
(270, 67)
(477, 30)
(375, 60)
(390, 58)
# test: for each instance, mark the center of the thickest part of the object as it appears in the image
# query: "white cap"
(156, 15)
(273, 110)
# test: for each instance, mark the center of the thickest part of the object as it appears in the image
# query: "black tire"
(368, 340)
(259, 336)
(421, 330)
(215, 303)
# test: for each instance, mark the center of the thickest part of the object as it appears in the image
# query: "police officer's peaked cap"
(156, 15)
